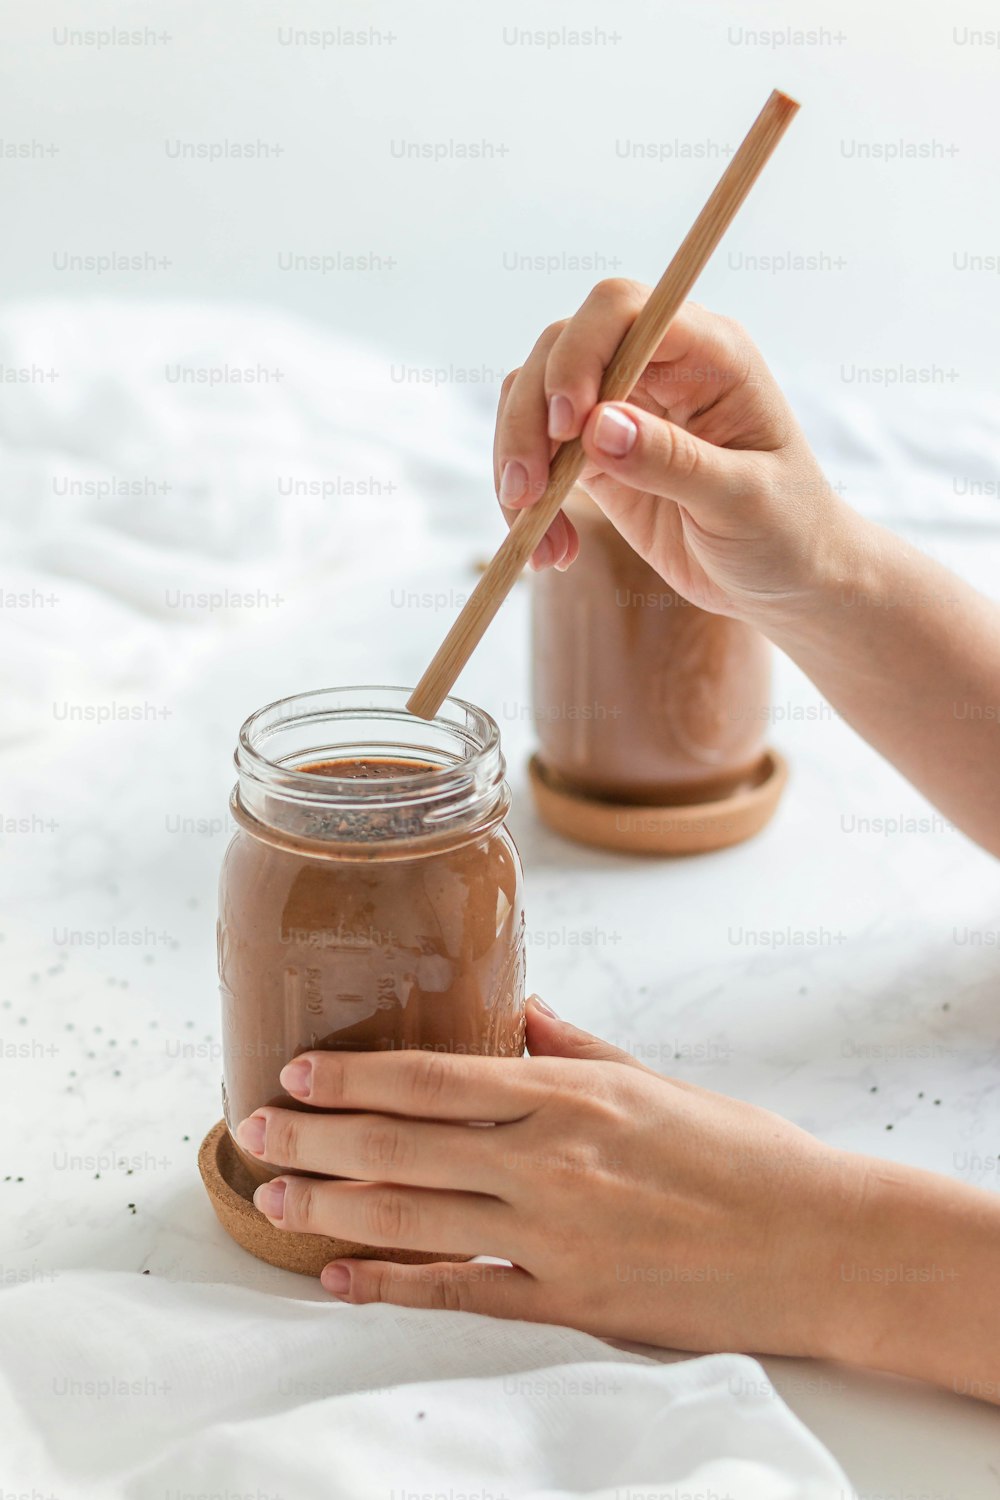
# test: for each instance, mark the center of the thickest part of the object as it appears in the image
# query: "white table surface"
(885, 1040)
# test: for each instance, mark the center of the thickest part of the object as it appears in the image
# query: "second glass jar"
(640, 697)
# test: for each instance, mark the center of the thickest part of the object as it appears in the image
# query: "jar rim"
(480, 766)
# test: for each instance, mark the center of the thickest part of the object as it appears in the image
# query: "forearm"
(910, 656)
(917, 1280)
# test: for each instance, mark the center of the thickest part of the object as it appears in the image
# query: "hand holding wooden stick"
(634, 353)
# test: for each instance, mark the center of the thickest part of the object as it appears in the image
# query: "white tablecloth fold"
(117, 1385)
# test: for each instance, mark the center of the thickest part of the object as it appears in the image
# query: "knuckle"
(507, 384)
(568, 369)
(430, 1079)
(384, 1144)
(736, 328)
(614, 1097)
(448, 1294)
(680, 452)
(614, 291)
(592, 1116)
(282, 1137)
(389, 1215)
(552, 332)
(520, 426)
(300, 1203)
(578, 1082)
(575, 1161)
(370, 1282)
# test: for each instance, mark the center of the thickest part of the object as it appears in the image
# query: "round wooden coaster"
(692, 829)
(230, 1188)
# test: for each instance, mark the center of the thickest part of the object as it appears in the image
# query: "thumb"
(649, 453)
(550, 1037)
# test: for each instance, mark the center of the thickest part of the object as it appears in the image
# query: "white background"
(679, 76)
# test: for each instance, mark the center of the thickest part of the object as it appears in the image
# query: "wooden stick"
(633, 355)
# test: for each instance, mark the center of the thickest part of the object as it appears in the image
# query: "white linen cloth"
(168, 472)
(120, 1385)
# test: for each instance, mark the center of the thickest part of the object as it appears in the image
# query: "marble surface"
(839, 970)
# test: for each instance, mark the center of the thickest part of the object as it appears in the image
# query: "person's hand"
(630, 1205)
(704, 470)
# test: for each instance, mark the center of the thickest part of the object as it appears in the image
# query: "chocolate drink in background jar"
(370, 900)
(651, 714)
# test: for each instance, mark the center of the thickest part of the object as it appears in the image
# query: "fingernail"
(546, 1010)
(615, 433)
(336, 1278)
(250, 1134)
(296, 1077)
(560, 416)
(513, 481)
(270, 1199)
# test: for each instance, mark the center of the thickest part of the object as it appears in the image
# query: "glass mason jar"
(639, 696)
(371, 897)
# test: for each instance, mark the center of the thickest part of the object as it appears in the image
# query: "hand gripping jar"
(651, 714)
(371, 898)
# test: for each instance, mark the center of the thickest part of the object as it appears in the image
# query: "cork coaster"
(230, 1188)
(692, 829)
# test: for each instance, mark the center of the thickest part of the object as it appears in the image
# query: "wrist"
(862, 1260)
(844, 564)
(912, 1281)
(834, 1229)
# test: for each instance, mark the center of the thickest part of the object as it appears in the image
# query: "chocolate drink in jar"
(651, 714)
(371, 899)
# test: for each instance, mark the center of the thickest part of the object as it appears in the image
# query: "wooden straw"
(633, 355)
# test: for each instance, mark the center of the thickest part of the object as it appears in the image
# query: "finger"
(700, 359)
(548, 1036)
(522, 448)
(559, 546)
(583, 350)
(498, 1291)
(522, 451)
(425, 1085)
(375, 1148)
(379, 1213)
(506, 387)
(648, 453)
(520, 443)
(572, 552)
